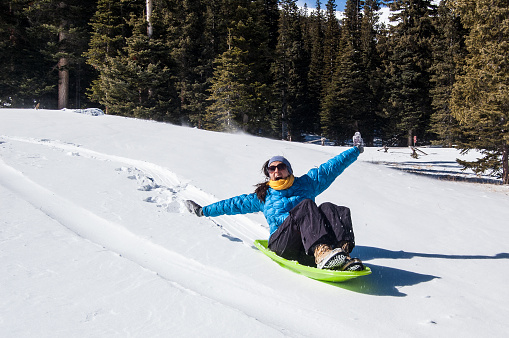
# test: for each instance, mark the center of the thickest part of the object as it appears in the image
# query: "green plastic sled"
(308, 271)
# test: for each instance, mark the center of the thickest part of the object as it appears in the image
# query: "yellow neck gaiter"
(282, 184)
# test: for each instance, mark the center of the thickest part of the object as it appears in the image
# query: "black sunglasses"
(280, 167)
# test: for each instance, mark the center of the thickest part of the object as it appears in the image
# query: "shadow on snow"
(387, 281)
(440, 170)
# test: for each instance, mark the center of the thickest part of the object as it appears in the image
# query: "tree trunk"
(63, 83)
(505, 164)
(63, 70)
(150, 29)
(284, 123)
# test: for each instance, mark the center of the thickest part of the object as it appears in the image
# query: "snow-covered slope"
(95, 242)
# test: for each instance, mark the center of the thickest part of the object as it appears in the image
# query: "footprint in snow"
(165, 197)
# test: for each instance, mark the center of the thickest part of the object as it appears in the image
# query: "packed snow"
(95, 241)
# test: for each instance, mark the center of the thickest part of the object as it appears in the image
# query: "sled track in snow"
(163, 179)
(238, 292)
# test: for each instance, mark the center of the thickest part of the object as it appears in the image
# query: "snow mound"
(87, 111)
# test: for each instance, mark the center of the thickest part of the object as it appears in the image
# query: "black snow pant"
(309, 225)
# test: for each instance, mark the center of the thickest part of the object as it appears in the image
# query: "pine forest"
(436, 74)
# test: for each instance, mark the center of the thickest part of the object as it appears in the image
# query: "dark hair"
(262, 188)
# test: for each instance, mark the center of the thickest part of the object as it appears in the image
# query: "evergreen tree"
(330, 54)
(480, 98)
(371, 63)
(386, 127)
(305, 28)
(290, 71)
(408, 78)
(62, 28)
(24, 82)
(330, 46)
(109, 31)
(189, 42)
(231, 92)
(344, 106)
(250, 25)
(337, 106)
(247, 19)
(316, 66)
(448, 51)
(137, 81)
(271, 15)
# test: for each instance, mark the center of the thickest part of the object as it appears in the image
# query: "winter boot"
(346, 246)
(331, 259)
(353, 264)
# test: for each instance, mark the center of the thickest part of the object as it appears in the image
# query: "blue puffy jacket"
(278, 203)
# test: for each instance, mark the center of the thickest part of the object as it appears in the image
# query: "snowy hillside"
(94, 241)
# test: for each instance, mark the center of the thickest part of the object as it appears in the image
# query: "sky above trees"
(312, 4)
